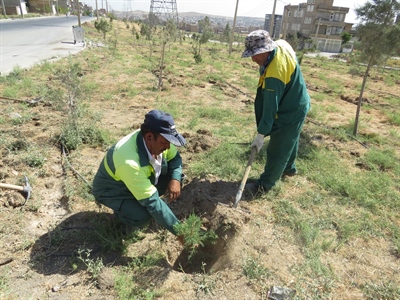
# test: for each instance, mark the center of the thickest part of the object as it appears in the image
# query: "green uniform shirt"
(126, 166)
(281, 92)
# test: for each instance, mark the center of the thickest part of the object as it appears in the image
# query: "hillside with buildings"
(317, 22)
(194, 17)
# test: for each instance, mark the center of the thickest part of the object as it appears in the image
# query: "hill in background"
(194, 16)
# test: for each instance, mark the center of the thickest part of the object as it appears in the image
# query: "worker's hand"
(173, 190)
(258, 142)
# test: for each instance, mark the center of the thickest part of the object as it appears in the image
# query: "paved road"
(26, 42)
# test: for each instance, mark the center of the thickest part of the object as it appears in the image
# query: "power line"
(257, 9)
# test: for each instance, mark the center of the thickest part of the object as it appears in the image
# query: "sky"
(246, 8)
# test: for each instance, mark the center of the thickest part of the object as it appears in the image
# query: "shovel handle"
(11, 187)
(246, 174)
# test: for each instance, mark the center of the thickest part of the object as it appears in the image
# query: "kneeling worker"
(138, 169)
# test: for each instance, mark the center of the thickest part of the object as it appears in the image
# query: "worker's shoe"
(254, 189)
(289, 173)
(121, 227)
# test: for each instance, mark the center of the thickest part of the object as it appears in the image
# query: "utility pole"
(4, 8)
(20, 8)
(316, 34)
(79, 13)
(233, 28)
(272, 22)
(97, 11)
(285, 24)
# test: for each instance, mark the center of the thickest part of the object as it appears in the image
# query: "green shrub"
(193, 235)
(75, 134)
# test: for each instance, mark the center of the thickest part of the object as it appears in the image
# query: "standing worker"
(281, 105)
(138, 169)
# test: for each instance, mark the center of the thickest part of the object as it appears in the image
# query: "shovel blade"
(238, 197)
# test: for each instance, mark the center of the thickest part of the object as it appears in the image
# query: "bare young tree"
(169, 34)
(379, 37)
(206, 34)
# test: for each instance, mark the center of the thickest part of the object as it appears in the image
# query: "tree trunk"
(160, 83)
(360, 97)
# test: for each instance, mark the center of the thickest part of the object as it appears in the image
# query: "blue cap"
(163, 123)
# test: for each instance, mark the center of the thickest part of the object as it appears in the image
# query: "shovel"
(246, 174)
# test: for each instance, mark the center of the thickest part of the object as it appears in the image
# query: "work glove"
(258, 142)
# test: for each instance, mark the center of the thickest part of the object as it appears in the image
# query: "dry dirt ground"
(40, 241)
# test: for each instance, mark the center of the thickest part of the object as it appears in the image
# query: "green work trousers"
(282, 151)
(126, 207)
